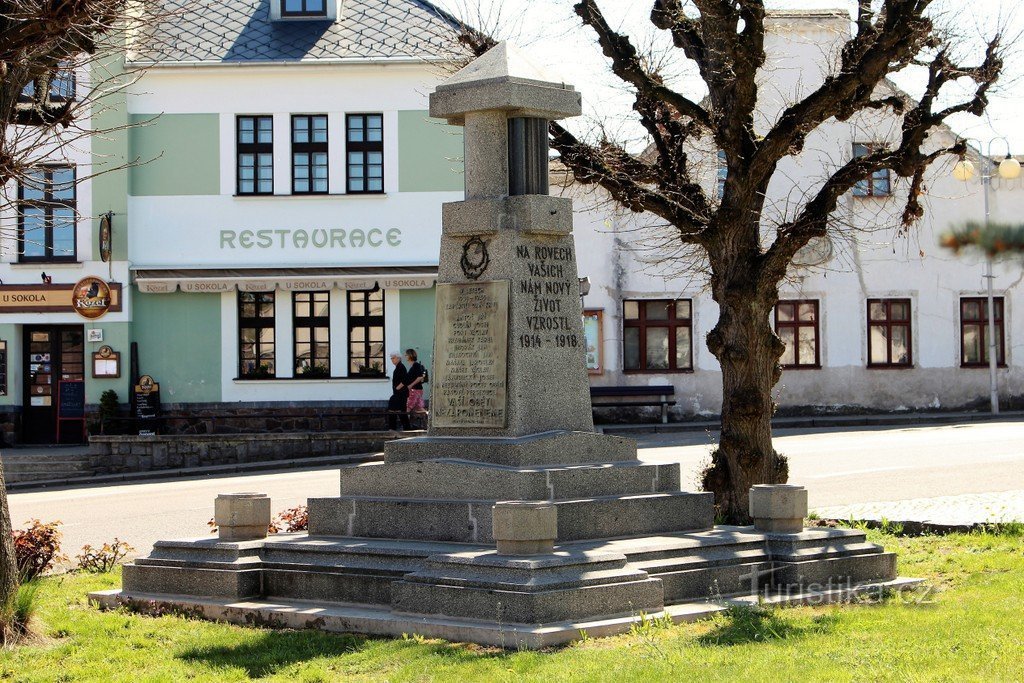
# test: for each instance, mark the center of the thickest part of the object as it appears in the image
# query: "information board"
(71, 400)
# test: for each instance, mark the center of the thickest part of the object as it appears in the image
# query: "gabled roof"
(240, 31)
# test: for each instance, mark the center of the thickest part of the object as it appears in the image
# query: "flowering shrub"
(101, 560)
(37, 549)
(293, 519)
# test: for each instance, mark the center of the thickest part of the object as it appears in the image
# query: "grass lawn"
(968, 626)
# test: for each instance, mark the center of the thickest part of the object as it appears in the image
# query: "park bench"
(650, 396)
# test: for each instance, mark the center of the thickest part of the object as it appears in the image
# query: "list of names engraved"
(470, 355)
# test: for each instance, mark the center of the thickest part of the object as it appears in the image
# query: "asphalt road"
(839, 467)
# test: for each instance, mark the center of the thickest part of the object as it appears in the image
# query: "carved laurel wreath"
(475, 258)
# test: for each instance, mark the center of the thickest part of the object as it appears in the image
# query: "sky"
(551, 34)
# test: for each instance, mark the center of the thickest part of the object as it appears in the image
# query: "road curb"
(906, 419)
(911, 527)
(193, 472)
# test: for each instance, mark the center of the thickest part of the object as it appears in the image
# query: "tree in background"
(994, 239)
(43, 44)
(746, 251)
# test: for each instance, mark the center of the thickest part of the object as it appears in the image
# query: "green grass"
(969, 626)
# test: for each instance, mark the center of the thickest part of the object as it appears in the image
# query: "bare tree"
(42, 45)
(746, 254)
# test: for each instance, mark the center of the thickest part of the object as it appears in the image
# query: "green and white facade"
(276, 229)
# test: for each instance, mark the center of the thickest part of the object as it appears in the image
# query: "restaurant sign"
(91, 297)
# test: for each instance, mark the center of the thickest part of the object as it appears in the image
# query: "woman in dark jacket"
(414, 379)
(399, 395)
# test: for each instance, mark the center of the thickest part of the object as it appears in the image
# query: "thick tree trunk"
(748, 350)
(8, 566)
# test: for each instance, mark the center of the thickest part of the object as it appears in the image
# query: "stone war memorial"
(511, 522)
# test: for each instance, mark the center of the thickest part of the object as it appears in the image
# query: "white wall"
(188, 230)
(873, 261)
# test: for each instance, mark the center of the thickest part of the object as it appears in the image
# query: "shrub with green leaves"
(103, 559)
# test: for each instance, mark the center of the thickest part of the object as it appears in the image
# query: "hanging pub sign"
(91, 297)
(106, 236)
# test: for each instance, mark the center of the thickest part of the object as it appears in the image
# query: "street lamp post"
(1008, 169)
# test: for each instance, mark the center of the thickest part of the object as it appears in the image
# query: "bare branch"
(626, 64)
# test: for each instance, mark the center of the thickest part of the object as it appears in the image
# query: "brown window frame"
(365, 147)
(673, 324)
(310, 148)
(255, 148)
(982, 323)
(312, 323)
(258, 323)
(47, 204)
(865, 187)
(889, 324)
(795, 324)
(366, 322)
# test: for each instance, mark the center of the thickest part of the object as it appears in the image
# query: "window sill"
(891, 367)
(981, 366)
(310, 195)
(48, 264)
(306, 380)
(658, 372)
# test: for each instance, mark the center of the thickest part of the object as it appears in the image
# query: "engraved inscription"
(470, 358)
(547, 286)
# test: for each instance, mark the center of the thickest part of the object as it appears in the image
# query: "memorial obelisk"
(511, 522)
(508, 350)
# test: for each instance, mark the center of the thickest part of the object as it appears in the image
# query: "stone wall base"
(122, 454)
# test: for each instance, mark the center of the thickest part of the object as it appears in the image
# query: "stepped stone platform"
(511, 522)
(409, 545)
(441, 589)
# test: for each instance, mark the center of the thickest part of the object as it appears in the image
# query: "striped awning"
(168, 280)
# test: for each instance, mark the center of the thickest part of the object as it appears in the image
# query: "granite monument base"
(467, 592)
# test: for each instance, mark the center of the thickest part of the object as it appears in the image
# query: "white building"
(923, 347)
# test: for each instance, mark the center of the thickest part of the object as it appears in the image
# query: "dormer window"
(303, 8)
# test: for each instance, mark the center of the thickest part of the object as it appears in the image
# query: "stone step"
(708, 558)
(543, 449)
(42, 467)
(812, 537)
(836, 571)
(469, 521)
(709, 583)
(683, 545)
(20, 460)
(22, 477)
(190, 580)
(829, 550)
(450, 479)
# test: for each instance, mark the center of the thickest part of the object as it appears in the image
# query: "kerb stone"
(241, 516)
(524, 527)
(779, 508)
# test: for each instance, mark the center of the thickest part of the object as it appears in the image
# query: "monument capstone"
(511, 521)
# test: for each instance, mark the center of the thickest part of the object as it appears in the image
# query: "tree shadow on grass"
(743, 625)
(273, 651)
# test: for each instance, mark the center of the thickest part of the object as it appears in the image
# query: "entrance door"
(52, 353)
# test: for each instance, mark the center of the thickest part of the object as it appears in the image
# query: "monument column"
(509, 349)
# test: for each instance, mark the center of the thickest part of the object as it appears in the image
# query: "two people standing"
(407, 389)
